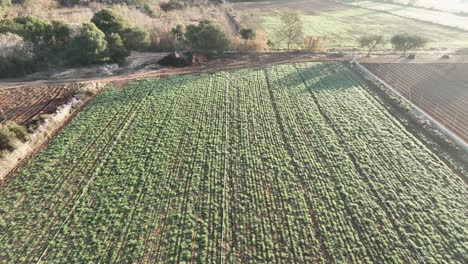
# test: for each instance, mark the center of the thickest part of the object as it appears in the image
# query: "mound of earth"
(182, 59)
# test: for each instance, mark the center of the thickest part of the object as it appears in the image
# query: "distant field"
(433, 16)
(440, 89)
(345, 24)
(454, 6)
(297, 163)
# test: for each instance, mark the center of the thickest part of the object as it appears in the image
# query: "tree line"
(106, 38)
(290, 33)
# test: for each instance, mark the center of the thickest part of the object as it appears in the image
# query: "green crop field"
(344, 24)
(421, 14)
(297, 163)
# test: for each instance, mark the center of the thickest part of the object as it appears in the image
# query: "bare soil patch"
(26, 105)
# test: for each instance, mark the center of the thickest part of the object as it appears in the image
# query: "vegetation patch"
(190, 167)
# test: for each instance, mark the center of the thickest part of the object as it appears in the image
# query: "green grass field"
(294, 163)
(344, 24)
(421, 14)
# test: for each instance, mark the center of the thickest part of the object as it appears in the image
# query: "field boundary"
(456, 139)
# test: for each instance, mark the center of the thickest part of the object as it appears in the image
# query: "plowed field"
(439, 89)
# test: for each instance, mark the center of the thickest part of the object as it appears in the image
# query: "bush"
(38, 31)
(16, 66)
(247, 33)
(9, 134)
(60, 35)
(90, 46)
(136, 39)
(117, 50)
(206, 37)
(6, 139)
(108, 21)
(149, 10)
(19, 132)
(172, 5)
(69, 3)
(5, 3)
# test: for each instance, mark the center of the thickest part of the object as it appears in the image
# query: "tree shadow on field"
(329, 76)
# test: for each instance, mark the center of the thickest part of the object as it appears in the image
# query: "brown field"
(439, 89)
(25, 105)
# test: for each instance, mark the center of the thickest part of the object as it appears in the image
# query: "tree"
(135, 38)
(36, 30)
(45, 36)
(370, 42)
(90, 46)
(406, 42)
(206, 37)
(290, 31)
(108, 21)
(178, 33)
(117, 50)
(60, 35)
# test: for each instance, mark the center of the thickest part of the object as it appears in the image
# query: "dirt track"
(223, 62)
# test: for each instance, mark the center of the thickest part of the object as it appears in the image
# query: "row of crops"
(294, 163)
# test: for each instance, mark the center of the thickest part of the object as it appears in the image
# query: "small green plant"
(172, 5)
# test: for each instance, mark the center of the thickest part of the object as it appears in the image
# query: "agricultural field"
(453, 6)
(25, 105)
(432, 16)
(344, 24)
(439, 89)
(297, 163)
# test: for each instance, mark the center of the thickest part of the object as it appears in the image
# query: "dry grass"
(259, 43)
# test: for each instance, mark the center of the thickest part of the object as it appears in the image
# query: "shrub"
(117, 50)
(9, 134)
(69, 3)
(171, 5)
(18, 131)
(60, 35)
(247, 33)
(5, 3)
(38, 31)
(6, 139)
(136, 39)
(16, 66)
(149, 10)
(206, 37)
(108, 21)
(90, 46)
